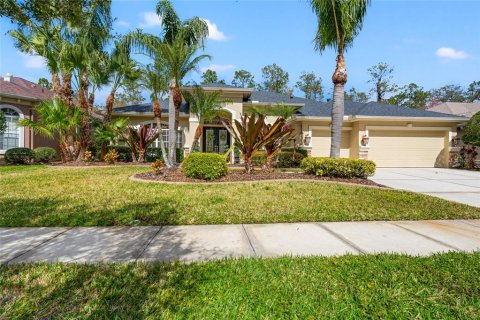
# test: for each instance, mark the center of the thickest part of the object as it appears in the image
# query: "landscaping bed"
(176, 175)
(96, 164)
(443, 286)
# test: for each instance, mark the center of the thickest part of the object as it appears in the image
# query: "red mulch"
(176, 175)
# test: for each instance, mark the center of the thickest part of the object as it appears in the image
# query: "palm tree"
(177, 47)
(205, 106)
(56, 120)
(339, 22)
(154, 79)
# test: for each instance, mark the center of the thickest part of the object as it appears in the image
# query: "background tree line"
(383, 90)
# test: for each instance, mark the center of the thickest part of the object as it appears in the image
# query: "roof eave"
(396, 118)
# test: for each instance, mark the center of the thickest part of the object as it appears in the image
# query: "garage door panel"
(407, 148)
(321, 144)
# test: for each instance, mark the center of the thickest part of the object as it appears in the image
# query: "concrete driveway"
(456, 185)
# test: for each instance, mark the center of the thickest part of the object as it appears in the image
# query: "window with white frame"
(11, 138)
(156, 143)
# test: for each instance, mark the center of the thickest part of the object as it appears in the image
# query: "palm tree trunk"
(107, 117)
(66, 91)
(85, 121)
(339, 79)
(157, 111)
(198, 134)
(55, 85)
(172, 130)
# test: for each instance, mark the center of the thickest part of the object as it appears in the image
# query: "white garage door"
(321, 144)
(408, 148)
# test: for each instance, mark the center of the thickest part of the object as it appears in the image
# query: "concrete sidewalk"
(198, 243)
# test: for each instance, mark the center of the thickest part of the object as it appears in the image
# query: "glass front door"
(216, 140)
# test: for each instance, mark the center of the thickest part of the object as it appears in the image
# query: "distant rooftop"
(22, 88)
(458, 108)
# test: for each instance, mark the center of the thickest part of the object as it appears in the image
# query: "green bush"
(259, 158)
(304, 152)
(152, 154)
(44, 154)
(339, 168)
(19, 155)
(289, 159)
(206, 166)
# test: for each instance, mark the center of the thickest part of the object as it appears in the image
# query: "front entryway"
(215, 140)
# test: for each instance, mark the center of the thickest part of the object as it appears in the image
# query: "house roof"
(22, 88)
(458, 108)
(147, 108)
(309, 108)
(312, 108)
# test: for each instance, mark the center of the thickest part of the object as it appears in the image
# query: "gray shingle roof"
(311, 108)
(147, 107)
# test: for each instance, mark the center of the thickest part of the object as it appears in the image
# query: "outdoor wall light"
(306, 139)
(365, 140)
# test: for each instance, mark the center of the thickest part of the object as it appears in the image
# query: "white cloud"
(122, 23)
(450, 53)
(32, 62)
(213, 32)
(150, 19)
(218, 67)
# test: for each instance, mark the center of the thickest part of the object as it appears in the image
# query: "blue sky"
(431, 43)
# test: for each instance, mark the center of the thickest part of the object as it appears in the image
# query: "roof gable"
(22, 88)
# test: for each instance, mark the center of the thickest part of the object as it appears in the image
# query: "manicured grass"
(443, 286)
(49, 196)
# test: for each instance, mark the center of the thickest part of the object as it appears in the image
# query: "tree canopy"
(311, 86)
(243, 79)
(471, 131)
(275, 79)
(210, 76)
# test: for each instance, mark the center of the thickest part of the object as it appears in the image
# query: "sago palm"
(339, 22)
(55, 120)
(205, 106)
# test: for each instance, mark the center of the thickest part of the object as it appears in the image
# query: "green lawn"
(443, 286)
(49, 196)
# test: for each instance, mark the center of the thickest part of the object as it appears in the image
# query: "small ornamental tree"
(471, 131)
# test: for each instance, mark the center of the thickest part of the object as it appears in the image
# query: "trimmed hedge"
(19, 155)
(339, 168)
(206, 166)
(304, 152)
(125, 155)
(44, 154)
(259, 158)
(289, 159)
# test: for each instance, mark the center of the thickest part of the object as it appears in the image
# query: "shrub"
(152, 154)
(111, 156)
(338, 168)
(19, 155)
(289, 159)
(259, 158)
(88, 156)
(44, 154)
(157, 166)
(304, 152)
(207, 166)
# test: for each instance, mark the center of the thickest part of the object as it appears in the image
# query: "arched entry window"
(13, 135)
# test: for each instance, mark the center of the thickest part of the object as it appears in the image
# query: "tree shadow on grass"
(45, 212)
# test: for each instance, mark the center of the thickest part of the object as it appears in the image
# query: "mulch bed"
(96, 164)
(176, 175)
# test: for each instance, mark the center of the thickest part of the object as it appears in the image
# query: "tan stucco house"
(391, 136)
(17, 99)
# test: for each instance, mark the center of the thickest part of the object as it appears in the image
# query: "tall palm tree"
(205, 106)
(154, 79)
(55, 120)
(180, 60)
(339, 22)
(178, 37)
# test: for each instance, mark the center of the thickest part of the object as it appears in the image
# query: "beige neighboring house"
(391, 136)
(17, 99)
(463, 109)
